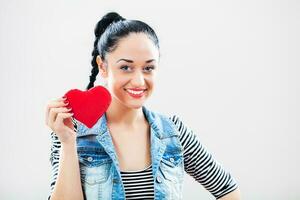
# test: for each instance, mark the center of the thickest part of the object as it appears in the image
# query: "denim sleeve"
(201, 164)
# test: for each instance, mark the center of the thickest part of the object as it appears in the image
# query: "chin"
(135, 106)
(135, 103)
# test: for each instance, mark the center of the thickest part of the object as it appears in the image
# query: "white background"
(230, 69)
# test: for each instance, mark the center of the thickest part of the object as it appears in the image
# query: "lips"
(136, 89)
(136, 93)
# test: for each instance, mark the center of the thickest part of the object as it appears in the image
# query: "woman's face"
(130, 70)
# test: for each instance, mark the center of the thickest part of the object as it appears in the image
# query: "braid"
(101, 26)
(95, 69)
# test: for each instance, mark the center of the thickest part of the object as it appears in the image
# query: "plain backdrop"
(229, 69)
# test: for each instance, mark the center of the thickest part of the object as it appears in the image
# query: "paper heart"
(88, 106)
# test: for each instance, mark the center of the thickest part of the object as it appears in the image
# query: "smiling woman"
(131, 152)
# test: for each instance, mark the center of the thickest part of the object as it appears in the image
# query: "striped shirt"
(138, 184)
(198, 163)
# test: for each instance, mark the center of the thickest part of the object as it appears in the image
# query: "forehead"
(137, 47)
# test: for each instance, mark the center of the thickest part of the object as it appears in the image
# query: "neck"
(118, 113)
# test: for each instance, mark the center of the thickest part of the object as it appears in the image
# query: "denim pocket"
(171, 167)
(92, 156)
(95, 165)
(95, 175)
(172, 160)
(95, 172)
(171, 171)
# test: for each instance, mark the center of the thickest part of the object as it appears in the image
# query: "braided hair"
(108, 31)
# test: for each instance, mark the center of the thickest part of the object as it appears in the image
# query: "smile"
(135, 94)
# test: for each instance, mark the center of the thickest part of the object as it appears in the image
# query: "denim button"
(172, 159)
(158, 179)
(90, 159)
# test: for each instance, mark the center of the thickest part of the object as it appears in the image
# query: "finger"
(54, 104)
(59, 98)
(50, 106)
(54, 111)
(61, 116)
(56, 100)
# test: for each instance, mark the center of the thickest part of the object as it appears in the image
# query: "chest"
(132, 146)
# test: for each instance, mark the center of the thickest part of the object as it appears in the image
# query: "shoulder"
(164, 122)
(175, 120)
(185, 132)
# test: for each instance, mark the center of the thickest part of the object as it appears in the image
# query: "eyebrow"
(131, 61)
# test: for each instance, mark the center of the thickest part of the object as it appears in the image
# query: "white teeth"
(135, 92)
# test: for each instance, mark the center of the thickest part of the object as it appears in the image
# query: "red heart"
(88, 106)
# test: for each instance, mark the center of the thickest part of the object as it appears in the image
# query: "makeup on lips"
(136, 93)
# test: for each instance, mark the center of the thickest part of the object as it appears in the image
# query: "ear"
(102, 66)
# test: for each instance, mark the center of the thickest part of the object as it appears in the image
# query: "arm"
(235, 195)
(203, 167)
(66, 182)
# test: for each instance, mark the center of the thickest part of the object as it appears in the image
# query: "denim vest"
(99, 167)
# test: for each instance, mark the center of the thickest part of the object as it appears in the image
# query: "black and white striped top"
(198, 162)
(138, 184)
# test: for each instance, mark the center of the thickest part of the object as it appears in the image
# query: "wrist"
(68, 146)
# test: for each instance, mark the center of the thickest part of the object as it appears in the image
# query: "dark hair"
(108, 31)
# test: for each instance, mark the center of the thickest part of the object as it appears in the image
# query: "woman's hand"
(59, 120)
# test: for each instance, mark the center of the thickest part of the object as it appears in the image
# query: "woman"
(131, 152)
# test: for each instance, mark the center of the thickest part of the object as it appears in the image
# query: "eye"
(124, 67)
(150, 68)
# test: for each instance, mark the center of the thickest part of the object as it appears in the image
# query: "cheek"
(117, 80)
(118, 85)
(151, 82)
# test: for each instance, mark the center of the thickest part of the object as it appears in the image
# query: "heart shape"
(88, 106)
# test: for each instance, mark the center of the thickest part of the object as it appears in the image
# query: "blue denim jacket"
(99, 167)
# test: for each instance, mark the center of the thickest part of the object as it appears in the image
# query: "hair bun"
(106, 21)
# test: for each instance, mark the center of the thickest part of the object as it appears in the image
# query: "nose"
(138, 79)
